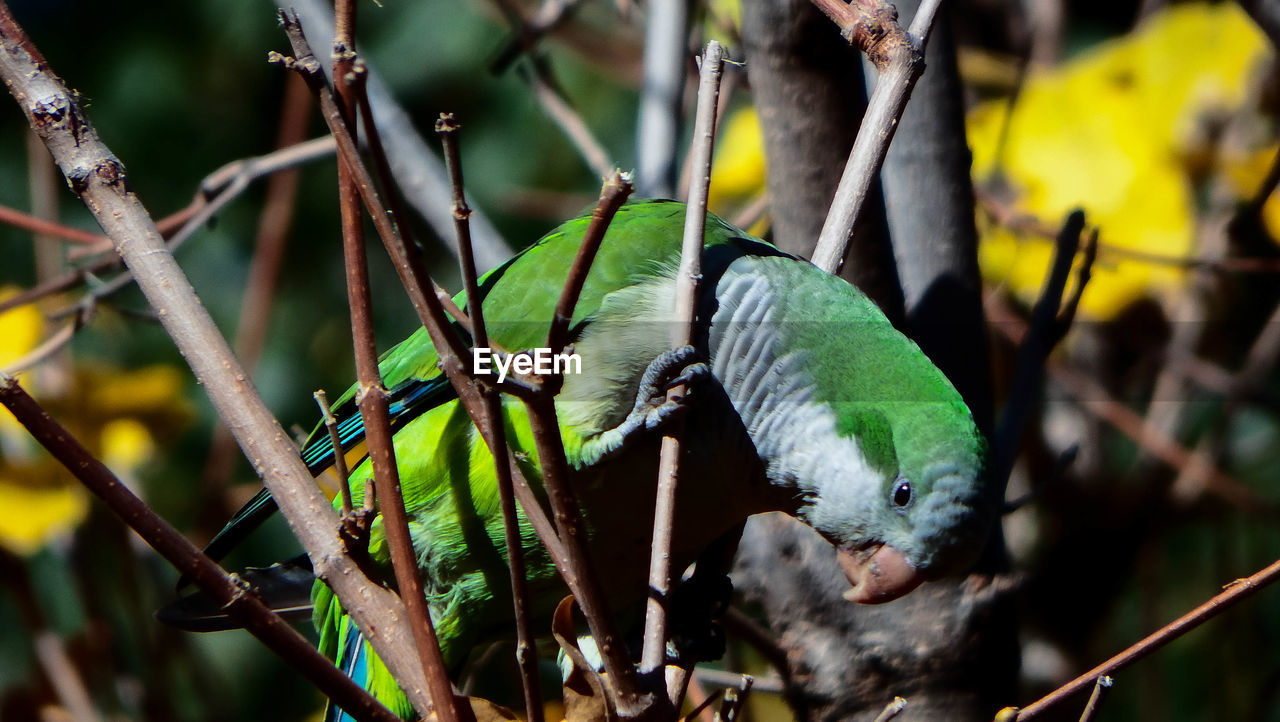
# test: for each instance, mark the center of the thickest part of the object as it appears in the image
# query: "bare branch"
(25, 221)
(682, 334)
(528, 32)
(1092, 708)
(1236, 592)
(48, 347)
(238, 600)
(616, 190)
(100, 180)
(418, 172)
(1042, 335)
(526, 655)
(1096, 400)
(902, 67)
(569, 121)
(372, 397)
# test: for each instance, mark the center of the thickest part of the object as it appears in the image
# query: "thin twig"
(1094, 705)
(47, 348)
(586, 588)
(545, 91)
(528, 32)
(339, 458)
(736, 699)
(1020, 223)
(702, 702)
(28, 222)
(217, 190)
(555, 468)
(417, 170)
(51, 651)
(1236, 592)
(771, 684)
(386, 182)
(901, 62)
(526, 657)
(170, 226)
(727, 85)
(244, 606)
(1043, 333)
(753, 212)
(569, 121)
(682, 334)
(372, 396)
(891, 710)
(615, 192)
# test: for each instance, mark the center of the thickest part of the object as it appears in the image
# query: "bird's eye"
(902, 494)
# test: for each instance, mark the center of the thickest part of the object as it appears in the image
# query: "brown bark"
(807, 86)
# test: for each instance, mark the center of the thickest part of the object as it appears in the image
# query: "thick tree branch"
(102, 184)
(239, 600)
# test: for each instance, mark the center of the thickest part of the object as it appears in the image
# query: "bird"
(804, 399)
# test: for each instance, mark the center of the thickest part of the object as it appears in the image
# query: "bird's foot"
(652, 409)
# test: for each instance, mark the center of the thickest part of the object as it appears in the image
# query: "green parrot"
(804, 400)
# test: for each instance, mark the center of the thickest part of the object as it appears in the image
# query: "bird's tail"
(358, 661)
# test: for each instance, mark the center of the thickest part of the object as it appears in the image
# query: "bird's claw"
(677, 367)
(653, 409)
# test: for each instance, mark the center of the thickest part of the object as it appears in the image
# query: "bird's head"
(901, 494)
(867, 441)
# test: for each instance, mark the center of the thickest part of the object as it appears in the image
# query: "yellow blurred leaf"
(1118, 131)
(738, 169)
(126, 444)
(37, 514)
(738, 172)
(20, 329)
(149, 389)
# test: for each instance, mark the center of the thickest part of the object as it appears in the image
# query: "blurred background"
(1146, 479)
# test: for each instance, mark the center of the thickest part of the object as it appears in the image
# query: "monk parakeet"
(805, 400)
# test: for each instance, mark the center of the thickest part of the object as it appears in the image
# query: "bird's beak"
(878, 574)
